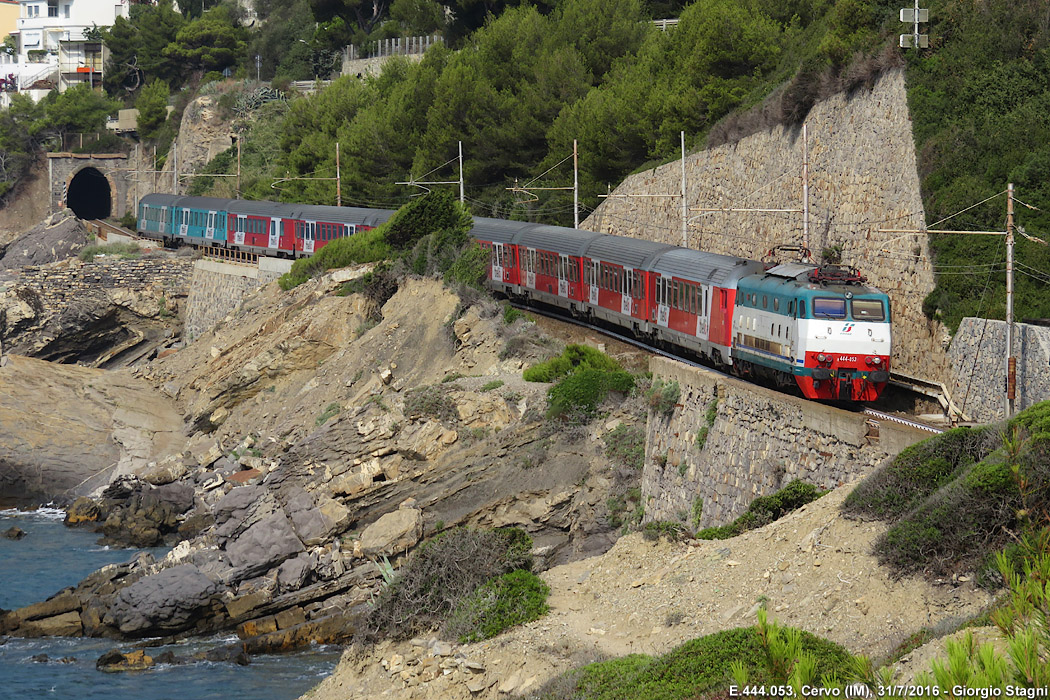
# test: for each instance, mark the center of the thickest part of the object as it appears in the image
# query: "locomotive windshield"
(824, 307)
(867, 310)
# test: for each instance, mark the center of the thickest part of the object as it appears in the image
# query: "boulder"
(293, 572)
(57, 605)
(164, 603)
(242, 508)
(316, 522)
(64, 625)
(83, 510)
(116, 662)
(263, 545)
(14, 533)
(393, 533)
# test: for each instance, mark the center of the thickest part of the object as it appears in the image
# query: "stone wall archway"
(90, 193)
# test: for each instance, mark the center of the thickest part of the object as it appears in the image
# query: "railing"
(402, 46)
(665, 24)
(27, 79)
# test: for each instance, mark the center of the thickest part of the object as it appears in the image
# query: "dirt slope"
(812, 569)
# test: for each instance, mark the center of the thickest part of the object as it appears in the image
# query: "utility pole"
(685, 205)
(805, 188)
(237, 194)
(1011, 361)
(461, 198)
(575, 185)
(338, 179)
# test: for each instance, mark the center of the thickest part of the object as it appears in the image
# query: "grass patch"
(363, 247)
(498, 604)
(583, 390)
(331, 411)
(625, 445)
(116, 250)
(489, 386)
(764, 510)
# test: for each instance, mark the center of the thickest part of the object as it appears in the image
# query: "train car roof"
(205, 203)
(630, 252)
(341, 215)
(157, 199)
(706, 268)
(260, 208)
(557, 239)
(499, 230)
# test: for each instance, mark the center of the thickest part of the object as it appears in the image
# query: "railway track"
(634, 342)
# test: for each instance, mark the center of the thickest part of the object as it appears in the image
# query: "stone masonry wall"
(58, 284)
(862, 178)
(216, 290)
(978, 353)
(759, 441)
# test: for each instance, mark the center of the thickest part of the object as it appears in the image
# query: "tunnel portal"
(89, 195)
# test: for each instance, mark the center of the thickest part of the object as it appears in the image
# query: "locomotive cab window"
(825, 307)
(867, 310)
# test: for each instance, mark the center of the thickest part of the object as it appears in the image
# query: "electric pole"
(914, 16)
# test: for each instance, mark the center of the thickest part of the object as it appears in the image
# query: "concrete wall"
(759, 441)
(978, 353)
(862, 178)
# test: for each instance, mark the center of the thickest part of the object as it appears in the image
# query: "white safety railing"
(402, 46)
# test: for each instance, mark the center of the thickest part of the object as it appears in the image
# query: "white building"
(53, 51)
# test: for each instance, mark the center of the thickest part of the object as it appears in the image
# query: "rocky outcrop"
(66, 429)
(59, 237)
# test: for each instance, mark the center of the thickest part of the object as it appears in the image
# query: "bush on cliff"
(443, 572)
(986, 488)
(764, 510)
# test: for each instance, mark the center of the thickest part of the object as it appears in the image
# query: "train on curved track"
(822, 329)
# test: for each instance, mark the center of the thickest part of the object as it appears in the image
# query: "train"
(821, 329)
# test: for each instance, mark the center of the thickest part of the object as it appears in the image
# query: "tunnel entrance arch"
(90, 194)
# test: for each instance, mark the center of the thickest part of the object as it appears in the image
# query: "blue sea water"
(51, 557)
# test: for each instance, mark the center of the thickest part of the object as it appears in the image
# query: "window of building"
(52, 8)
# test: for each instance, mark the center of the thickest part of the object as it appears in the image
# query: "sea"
(51, 557)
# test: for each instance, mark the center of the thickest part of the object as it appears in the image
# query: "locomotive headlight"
(822, 358)
(876, 360)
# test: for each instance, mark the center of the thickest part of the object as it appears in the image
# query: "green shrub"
(437, 211)
(663, 396)
(489, 386)
(572, 359)
(764, 510)
(511, 314)
(364, 247)
(432, 401)
(702, 666)
(918, 471)
(969, 508)
(655, 529)
(498, 604)
(583, 390)
(331, 411)
(626, 445)
(443, 571)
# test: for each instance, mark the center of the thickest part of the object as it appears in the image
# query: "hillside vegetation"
(518, 82)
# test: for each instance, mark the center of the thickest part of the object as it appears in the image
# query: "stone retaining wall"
(978, 358)
(759, 441)
(217, 289)
(58, 284)
(862, 178)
